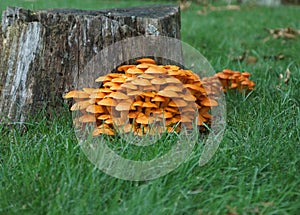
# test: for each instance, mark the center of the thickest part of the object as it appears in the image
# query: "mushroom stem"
(165, 103)
(157, 104)
(123, 117)
(147, 111)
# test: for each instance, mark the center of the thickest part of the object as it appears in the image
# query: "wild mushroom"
(209, 102)
(148, 106)
(108, 103)
(80, 105)
(77, 94)
(87, 118)
(158, 82)
(102, 129)
(147, 93)
(134, 71)
(124, 68)
(95, 109)
(156, 70)
(146, 60)
(158, 100)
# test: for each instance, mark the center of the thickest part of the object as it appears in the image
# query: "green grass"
(256, 169)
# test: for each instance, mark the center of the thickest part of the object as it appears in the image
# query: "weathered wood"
(43, 53)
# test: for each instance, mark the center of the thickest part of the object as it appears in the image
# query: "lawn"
(256, 169)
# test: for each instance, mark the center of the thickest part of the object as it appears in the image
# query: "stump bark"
(43, 53)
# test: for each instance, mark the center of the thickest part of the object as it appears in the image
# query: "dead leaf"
(231, 210)
(266, 39)
(184, 5)
(202, 12)
(240, 57)
(286, 76)
(267, 204)
(209, 8)
(288, 33)
(251, 59)
(275, 57)
(227, 7)
(244, 56)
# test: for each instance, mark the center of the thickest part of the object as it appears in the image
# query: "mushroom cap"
(127, 128)
(234, 85)
(115, 87)
(97, 95)
(115, 75)
(123, 106)
(172, 109)
(82, 104)
(129, 85)
(168, 93)
(251, 84)
(109, 121)
(245, 83)
(87, 118)
(133, 114)
(246, 74)
(149, 88)
(105, 90)
(236, 74)
(138, 104)
(208, 102)
(158, 98)
(77, 94)
(201, 120)
(109, 84)
(203, 110)
(144, 66)
(107, 102)
(141, 82)
(177, 103)
(149, 105)
(103, 130)
(103, 78)
(89, 90)
(173, 88)
(134, 93)
(189, 109)
(185, 118)
(156, 70)
(124, 67)
(158, 81)
(95, 109)
(172, 80)
(222, 75)
(166, 115)
(195, 87)
(146, 76)
(120, 80)
(142, 119)
(206, 115)
(134, 71)
(189, 97)
(148, 94)
(172, 67)
(117, 95)
(228, 71)
(173, 72)
(146, 60)
(104, 117)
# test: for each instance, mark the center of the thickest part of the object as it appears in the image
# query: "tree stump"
(44, 52)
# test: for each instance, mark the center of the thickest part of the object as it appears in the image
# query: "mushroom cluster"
(141, 97)
(235, 80)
